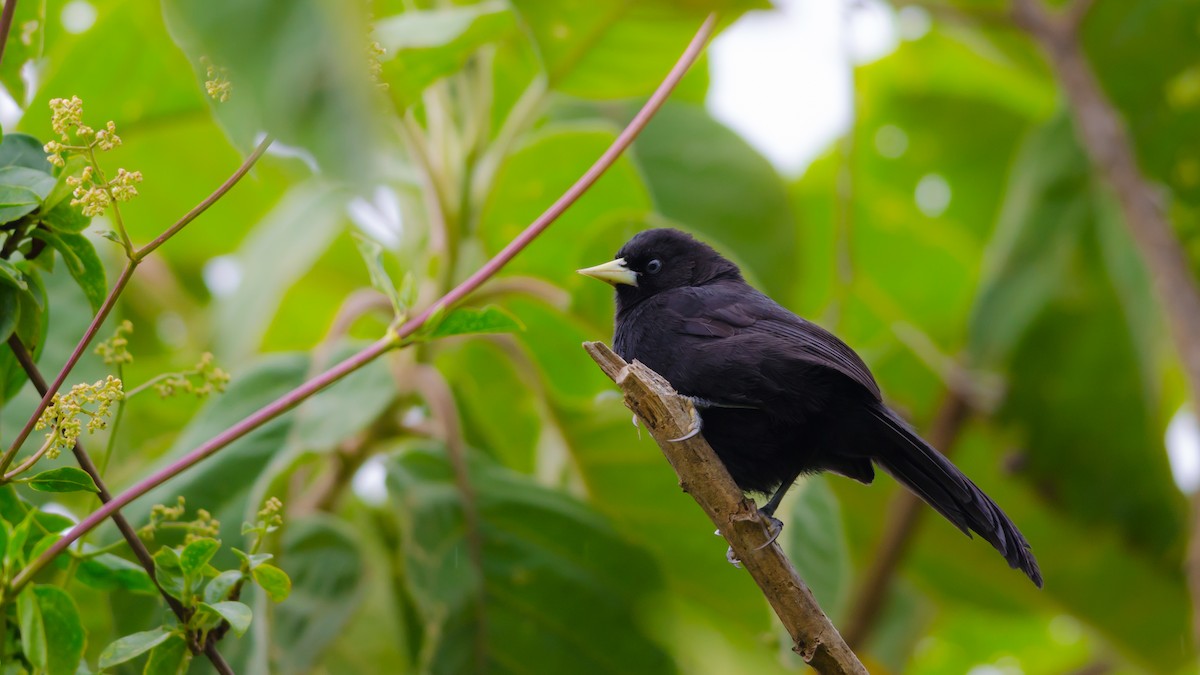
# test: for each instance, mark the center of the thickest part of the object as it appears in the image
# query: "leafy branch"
(392, 340)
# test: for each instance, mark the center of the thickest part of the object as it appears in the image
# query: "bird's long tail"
(934, 479)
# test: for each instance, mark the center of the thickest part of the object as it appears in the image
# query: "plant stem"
(30, 461)
(6, 19)
(353, 363)
(127, 532)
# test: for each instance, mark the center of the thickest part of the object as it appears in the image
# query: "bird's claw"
(775, 529)
(694, 431)
(732, 558)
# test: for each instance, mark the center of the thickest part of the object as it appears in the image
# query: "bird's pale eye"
(654, 266)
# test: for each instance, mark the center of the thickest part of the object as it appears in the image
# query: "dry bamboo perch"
(667, 415)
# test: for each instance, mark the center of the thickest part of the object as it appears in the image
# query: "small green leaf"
(236, 613)
(65, 636)
(10, 275)
(108, 572)
(274, 581)
(33, 632)
(470, 320)
(218, 588)
(372, 255)
(14, 555)
(171, 657)
(132, 646)
(82, 262)
(63, 479)
(169, 574)
(195, 556)
(252, 561)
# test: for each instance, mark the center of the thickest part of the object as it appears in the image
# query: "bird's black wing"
(740, 347)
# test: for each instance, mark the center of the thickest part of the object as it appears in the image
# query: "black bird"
(778, 396)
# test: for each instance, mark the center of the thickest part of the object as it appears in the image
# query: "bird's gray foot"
(775, 529)
(695, 429)
(732, 558)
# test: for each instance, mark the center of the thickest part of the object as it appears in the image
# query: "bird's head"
(659, 260)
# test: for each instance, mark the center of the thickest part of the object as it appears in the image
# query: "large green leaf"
(65, 636)
(817, 546)
(298, 70)
(558, 588)
(324, 559)
(424, 46)
(278, 250)
(617, 49)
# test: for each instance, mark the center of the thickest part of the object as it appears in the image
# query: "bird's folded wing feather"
(761, 344)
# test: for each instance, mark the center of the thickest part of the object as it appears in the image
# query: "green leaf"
(65, 635)
(539, 548)
(372, 255)
(25, 151)
(10, 275)
(132, 646)
(274, 239)
(348, 406)
(470, 321)
(169, 574)
(82, 262)
(14, 554)
(38, 182)
(218, 587)
(32, 320)
(236, 613)
(195, 556)
(16, 201)
(817, 546)
(297, 70)
(66, 218)
(33, 632)
(326, 560)
(171, 657)
(63, 479)
(108, 572)
(424, 46)
(608, 51)
(274, 581)
(10, 310)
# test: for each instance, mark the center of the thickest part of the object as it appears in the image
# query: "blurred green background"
(951, 230)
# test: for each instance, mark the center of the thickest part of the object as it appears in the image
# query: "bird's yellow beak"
(612, 272)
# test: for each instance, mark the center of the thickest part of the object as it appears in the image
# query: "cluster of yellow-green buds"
(375, 53)
(62, 416)
(163, 516)
(217, 85)
(92, 192)
(115, 350)
(204, 379)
